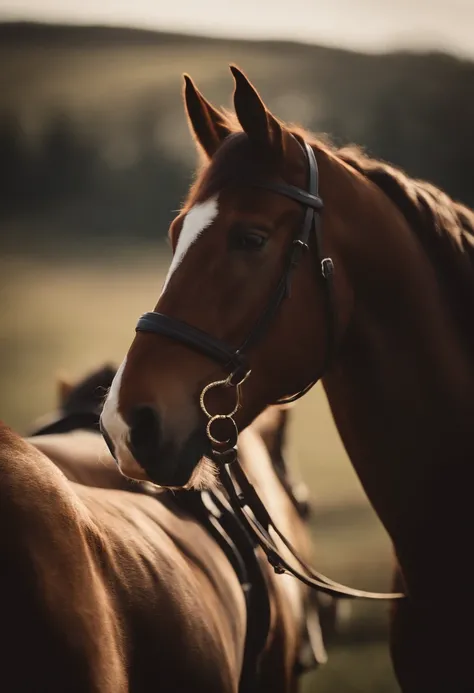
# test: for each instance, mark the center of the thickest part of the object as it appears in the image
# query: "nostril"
(144, 432)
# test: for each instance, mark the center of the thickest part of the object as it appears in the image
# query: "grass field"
(72, 316)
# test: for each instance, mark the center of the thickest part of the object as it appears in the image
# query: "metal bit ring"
(217, 383)
(222, 417)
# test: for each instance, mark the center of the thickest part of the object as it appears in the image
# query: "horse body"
(66, 626)
(109, 591)
(181, 598)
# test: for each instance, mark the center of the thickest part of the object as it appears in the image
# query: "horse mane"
(444, 227)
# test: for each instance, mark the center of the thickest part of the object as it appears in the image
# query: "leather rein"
(245, 502)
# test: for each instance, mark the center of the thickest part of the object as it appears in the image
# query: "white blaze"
(111, 419)
(197, 219)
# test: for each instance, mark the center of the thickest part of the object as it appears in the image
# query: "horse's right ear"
(262, 128)
(209, 126)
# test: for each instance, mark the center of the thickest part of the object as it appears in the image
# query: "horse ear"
(64, 388)
(261, 126)
(209, 126)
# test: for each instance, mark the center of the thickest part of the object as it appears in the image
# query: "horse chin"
(204, 476)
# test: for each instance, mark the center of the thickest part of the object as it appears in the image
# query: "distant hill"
(94, 143)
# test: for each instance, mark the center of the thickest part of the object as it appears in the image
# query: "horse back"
(55, 612)
(83, 457)
(109, 590)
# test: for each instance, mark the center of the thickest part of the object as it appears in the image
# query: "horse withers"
(295, 260)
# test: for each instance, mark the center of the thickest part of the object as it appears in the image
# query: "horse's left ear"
(64, 388)
(262, 128)
(209, 126)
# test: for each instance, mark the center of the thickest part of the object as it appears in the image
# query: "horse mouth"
(169, 467)
(166, 465)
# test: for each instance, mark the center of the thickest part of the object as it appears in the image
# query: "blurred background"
(95, 156)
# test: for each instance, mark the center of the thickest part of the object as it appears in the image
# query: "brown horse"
(123, 548)
(107, 591)
(384, 314)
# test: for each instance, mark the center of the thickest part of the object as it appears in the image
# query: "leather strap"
(305, 198)
(259, 527)
(309, 198)
(191, 336)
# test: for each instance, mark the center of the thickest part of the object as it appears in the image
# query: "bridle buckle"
(239, 376)
(327, 267)
(300, 242)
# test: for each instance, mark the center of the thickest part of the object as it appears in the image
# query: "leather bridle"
(258, 522)
(234, 359)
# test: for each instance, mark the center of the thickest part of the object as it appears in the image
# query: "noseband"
(234, 359)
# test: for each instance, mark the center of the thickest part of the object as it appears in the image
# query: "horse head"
(248, 268)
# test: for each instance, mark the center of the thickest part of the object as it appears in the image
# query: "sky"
(367, 25)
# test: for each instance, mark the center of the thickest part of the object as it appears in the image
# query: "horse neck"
(401, 389)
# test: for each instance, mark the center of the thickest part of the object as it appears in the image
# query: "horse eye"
(249, 240)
